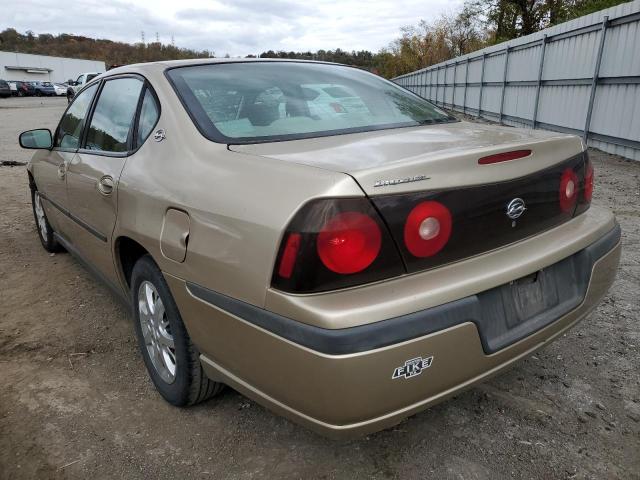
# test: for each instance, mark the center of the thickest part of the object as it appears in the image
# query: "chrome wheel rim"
(156, 332)
(40, 218)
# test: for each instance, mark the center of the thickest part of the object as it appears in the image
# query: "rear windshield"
(269, 101)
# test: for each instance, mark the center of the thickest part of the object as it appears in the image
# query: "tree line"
(108, 51)
(477, 24)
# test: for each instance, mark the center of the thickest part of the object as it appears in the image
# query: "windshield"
(268, 101)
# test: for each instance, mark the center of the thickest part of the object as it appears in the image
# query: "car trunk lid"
(434, 156)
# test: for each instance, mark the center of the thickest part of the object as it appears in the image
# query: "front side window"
(70, 128)
(149, 114)
(113, 115)
(269, 101)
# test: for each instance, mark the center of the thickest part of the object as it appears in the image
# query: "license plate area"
(529, 296)
(516, 309)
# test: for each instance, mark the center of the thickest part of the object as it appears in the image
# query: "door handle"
(105, 185)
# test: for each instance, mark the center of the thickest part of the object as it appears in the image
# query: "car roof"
(166, 64)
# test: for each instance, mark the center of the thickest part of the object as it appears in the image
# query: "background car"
(74, 86)
(24, 89)
(60, 88)
(43, 89)
(5, 90)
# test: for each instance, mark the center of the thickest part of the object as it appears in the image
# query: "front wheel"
(45, 232)
(170, 356)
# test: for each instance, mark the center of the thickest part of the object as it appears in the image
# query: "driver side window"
(70, 128)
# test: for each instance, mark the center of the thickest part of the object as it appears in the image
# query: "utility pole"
(142, 35)
(157, 38)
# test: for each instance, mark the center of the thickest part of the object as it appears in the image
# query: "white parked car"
(75, 86)
(61, 89)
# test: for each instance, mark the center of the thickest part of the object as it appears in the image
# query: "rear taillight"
(335, 243)
(586, 185)
(588, 182)
(427, 229)
(568, 193)
(349, 242)
(288, 259)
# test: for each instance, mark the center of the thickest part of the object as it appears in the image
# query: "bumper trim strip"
(403, 328)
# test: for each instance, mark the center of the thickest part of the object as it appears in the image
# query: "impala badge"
(398, 181)
(515, 209)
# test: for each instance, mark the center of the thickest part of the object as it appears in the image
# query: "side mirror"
(36, 139)
(70, 82)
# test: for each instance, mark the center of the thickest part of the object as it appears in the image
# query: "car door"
(50, 172)
(93, 174)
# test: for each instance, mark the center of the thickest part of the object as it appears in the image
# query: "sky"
(236, 27)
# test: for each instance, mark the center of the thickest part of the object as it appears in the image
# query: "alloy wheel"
(156, 331)
(40, 217)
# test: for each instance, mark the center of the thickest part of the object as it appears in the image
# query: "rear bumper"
(340, 383)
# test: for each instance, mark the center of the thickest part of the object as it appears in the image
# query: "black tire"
(190, 385)
(48, 240)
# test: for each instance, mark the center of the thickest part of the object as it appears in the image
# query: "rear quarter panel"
(238, 204)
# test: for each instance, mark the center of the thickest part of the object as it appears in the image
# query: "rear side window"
(70, 128)
(149, 114)
(113, 116)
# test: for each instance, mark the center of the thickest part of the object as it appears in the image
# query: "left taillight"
(335, 243)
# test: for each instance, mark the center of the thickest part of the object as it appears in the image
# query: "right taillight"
(568, 190)
(586, 185)
(335, 243)
(588, 182)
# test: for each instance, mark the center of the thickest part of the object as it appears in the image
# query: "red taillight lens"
(568, 190)
(288, 260)
(333, 243)
(349, 242)
(504, 157)
(588, 182)
(427, 229)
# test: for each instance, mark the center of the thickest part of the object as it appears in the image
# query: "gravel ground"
(76, 401)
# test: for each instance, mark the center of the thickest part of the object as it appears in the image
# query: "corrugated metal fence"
(580, 77)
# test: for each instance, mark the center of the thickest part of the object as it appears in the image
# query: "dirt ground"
(76, 402)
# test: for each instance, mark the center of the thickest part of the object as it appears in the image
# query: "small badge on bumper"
(412, 367)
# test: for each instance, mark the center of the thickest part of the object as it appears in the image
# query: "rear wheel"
(170, 356)
(45, 232)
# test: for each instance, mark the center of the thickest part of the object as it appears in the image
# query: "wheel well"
(128, 251)
(32, 182)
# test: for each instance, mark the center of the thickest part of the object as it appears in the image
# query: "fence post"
(484, 57)
(424, 83)
(438, 83)
(466, 80)
(504, 80)
(535, 106)
(596, 74)
(453, 94)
